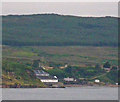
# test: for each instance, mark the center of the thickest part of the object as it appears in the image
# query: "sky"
(63, 8)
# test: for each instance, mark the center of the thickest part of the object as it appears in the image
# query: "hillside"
(16, 74)
(58, 30)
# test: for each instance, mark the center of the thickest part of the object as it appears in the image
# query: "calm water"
(76, 93)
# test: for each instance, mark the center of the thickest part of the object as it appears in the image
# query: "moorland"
(84, 44)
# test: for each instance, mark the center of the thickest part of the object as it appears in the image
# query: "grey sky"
(65, 8)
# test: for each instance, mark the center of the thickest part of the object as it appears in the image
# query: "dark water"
(72, 93)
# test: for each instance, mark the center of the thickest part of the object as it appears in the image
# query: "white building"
(49, 80)
(97, 81)
(68, 79)
(45, 77)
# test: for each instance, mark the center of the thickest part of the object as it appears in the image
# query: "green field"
(81, 61)
(73, 55)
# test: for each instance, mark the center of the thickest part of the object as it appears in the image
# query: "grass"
(18, 73)
(24, 54)
(20, 59)
(74, 55)
(69, 54)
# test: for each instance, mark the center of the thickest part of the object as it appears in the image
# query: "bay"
(69, 93)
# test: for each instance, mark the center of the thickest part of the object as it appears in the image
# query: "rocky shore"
(76, 85)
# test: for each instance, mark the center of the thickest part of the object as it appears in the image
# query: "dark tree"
(68, 70)
(107, 65)
(36, 63)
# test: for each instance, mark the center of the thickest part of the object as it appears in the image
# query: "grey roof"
(47, 77)
(41, 76)
(40, 72)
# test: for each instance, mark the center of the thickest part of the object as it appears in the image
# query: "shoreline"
(91, 85)
(67, 86)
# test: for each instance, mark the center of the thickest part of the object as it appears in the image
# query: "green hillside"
(16, 74)
(58, 30)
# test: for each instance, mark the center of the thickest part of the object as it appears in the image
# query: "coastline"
(91, 85)
(65, 86)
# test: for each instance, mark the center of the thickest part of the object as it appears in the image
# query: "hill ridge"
(59, 30)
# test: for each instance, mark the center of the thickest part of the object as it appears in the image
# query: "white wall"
(47, 80)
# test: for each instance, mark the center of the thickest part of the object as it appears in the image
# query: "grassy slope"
(74, 55)
(19, 60)
(14, 72)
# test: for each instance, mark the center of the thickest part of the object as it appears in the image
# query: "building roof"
(47, 77)
(41, 73)
(44, 75)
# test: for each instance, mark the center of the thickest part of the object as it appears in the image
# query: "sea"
(68, 93)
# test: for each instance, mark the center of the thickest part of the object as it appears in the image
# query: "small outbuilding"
(97, 80)
(68, 79)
